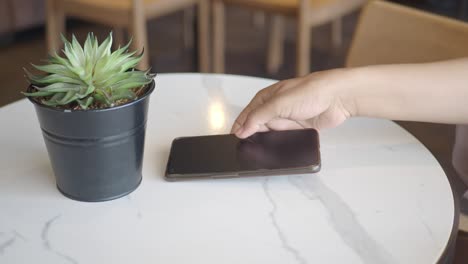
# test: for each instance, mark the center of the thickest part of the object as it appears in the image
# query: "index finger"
(259, 117)
(260, 98)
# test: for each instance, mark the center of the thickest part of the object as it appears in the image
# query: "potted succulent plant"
(92, 108)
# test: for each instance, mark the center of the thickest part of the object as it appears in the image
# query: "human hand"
(318, 101)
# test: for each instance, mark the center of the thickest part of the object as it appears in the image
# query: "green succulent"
(89, 76)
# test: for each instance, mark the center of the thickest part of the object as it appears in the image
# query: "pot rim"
(147, 93)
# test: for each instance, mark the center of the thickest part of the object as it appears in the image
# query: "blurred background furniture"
(308, 13)
(129, 14)
(18, 15)
(6, 23)
(389, 33)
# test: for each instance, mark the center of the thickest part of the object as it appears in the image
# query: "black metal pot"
(96, 155)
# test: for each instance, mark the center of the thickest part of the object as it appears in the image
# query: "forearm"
(431, 92)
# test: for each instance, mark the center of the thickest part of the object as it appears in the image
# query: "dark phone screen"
(227, 153)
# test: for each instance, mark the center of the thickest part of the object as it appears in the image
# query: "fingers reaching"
(258, 118)
(311, 101)
(261, 97)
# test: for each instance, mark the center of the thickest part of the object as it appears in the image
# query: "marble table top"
(381, 197)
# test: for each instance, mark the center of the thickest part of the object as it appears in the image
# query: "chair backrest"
(391, 33)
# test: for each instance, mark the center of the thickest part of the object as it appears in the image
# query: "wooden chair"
(130, 14)
(309, 13)
(391, 33)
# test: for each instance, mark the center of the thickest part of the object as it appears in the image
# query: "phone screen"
(266, 151)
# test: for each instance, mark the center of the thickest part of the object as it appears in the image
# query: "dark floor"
(245, 55)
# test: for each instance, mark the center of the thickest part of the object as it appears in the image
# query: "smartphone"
(226, 156)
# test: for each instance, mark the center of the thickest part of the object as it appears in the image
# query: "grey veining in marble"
(377, 187)
(343, 220)
(425, 224)
(8, 240)
(281, 235)
(7, 243)
(47, 243)
(135, 207)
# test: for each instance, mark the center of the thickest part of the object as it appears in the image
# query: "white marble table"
(381, 197)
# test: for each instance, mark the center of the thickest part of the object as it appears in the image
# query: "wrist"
(347, 86)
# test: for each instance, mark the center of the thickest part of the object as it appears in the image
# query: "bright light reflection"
(217, 116)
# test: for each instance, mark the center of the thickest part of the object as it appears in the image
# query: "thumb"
(258, 117)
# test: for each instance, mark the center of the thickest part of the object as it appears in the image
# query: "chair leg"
(275, 45)
(119, 37)
(187, 28)
(337, 35)
(138, 29)
(258, 19)
(55, 24)
(203, 35)
(302, 45)
(218, 36)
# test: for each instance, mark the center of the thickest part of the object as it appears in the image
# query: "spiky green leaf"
(88, 74)
(85, 103)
